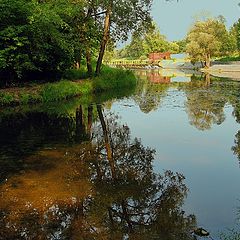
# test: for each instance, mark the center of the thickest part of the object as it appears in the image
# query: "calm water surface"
(151, 165)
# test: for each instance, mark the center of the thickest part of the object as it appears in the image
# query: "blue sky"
(175, 18)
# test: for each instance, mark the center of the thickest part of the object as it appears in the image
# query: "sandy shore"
(228, 70)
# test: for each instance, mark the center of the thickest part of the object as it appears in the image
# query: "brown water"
(152, 165)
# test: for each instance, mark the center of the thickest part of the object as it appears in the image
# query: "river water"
(153, 163)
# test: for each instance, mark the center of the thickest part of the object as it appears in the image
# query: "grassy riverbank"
(228, 59)
(108, 80)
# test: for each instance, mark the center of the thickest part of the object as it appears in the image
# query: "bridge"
(172, 63)
(133, 63)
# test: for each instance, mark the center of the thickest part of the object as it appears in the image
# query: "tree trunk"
(104, 41)
(89, 62)
(207, 79)
(88, 53)
(208, 61)
(126, 215)
(77, 65)
(78, 60)
(107, 142)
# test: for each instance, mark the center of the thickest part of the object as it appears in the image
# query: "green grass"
(6, 98)
(229, 59)
(64, 90)
(110, 79)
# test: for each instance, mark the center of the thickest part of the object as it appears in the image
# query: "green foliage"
(6, 98)
(117, 80)
(114, 79)
(229, 59)
(38, 39)
(42, 39)
(64, 90)
(75, 74)
(154, 41)
(26, 98)
(127, 16)
(207, 39)
(14, 43)
(235, 36)
(148, 41)
(181, 45)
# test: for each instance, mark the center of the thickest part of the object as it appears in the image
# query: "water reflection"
(205, 104)
(206, 96)
(73, 170)
(87, 178)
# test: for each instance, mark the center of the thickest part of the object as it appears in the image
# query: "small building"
(159, 56)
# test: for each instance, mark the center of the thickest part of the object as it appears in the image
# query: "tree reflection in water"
(205, 103)
(101, 188)
(149, 94)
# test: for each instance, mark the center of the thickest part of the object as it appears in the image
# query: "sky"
(175, 18)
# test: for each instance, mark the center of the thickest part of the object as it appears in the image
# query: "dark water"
(151, 165)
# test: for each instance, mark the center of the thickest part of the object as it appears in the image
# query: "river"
(153, 163)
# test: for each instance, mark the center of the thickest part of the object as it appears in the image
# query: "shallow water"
(152, 165)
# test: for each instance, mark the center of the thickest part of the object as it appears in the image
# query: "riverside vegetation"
(109, 79)
(45, 41)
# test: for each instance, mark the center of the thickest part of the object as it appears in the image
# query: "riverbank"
(36, 93)
(225, 70)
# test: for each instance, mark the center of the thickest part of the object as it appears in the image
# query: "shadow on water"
(87, 179)
(26, 129)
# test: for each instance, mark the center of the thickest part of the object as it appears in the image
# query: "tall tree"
(207, 39)
(235, 35)
(121, 18)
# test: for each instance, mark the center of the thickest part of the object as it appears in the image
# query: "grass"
(6, 98)
(229, 59)
(110, 79)
(64, 90)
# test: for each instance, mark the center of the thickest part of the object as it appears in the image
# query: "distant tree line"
(146, 41)
(207, 39)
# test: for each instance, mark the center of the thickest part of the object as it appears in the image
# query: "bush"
(75, 74)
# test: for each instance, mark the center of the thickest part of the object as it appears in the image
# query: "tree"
(154, 41)
(182, 45)
(135, 48)
(207, 39)
(235, 35)
(147, 41)
(205, 107)
(121, 17)
(37, 38)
